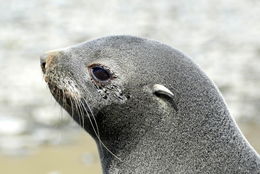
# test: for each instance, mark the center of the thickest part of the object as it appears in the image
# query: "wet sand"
(79, 158)
(251, 131)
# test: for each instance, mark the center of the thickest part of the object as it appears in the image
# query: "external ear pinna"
(163, 92)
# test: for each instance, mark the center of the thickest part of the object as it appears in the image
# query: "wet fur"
(139, 132)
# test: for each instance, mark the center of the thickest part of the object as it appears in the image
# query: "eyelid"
(96, 80)
(100, 73)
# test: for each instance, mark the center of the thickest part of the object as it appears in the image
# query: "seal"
(149, 108)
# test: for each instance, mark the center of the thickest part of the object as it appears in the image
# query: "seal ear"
(163, 92)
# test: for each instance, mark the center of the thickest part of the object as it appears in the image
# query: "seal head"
(149, 108)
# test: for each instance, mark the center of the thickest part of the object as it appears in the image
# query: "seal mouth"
(62, 87)
(63, 97)
(67, 95)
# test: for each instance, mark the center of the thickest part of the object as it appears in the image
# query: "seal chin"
(61, 96)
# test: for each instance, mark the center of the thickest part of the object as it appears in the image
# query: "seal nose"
(43, 61)
(48, 59)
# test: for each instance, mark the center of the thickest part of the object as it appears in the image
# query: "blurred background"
(37, 136)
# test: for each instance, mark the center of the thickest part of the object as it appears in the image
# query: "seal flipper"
(163, 92)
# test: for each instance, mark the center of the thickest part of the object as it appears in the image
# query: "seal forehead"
(136, 56)
(141, 60)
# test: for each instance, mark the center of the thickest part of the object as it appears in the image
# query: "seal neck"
(177, 142)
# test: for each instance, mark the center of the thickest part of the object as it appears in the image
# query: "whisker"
(81, 107)
(72, 107)
(88, 111)
(82, 112)
(79, 111)
(100, 141)
(91, 113)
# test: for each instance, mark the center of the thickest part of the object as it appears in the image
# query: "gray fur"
(143, 129)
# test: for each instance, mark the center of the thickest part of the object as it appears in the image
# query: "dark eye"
(101, 74)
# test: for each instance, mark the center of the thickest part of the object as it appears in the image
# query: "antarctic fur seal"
(149, 108)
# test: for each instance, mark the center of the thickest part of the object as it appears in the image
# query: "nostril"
(43, 67)
(49, 59)
(43, 63)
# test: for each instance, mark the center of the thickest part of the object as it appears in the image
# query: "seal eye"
(101, 74)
